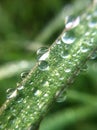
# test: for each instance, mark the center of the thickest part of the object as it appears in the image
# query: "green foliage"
(55, 71)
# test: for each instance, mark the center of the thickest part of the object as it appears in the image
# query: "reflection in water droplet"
(71, 22)
(62, 97)
(42, 53)
(64, 54)
(43, 65)
(24, 74)
(11, 93)
(68, 38)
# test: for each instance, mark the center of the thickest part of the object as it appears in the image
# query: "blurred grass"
(26, 25)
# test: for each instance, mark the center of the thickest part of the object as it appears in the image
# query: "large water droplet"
(71, 22)
(24, 74)
(42, 53)
(62, 97)
(43, 65)
(11, 93)
(68, 37)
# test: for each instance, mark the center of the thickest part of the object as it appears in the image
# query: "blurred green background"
(26, 25)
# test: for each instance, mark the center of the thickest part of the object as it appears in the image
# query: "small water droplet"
(45, 95)
(89, 17)
(31, 82)
(58, 42)
(44, 56)
(71, 21)
(11, 93)
(92, 23)
(94, 55)
(20, 87)
(68, 38)
(67, 70)
(84, 68)
(64, 54)
(87, 33)
(62, 96)
(42, 53)
(84, 49)
(43, 65)
(24, 74)
(38, 93)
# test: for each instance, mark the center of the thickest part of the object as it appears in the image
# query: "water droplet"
(89, 17)
(84, 49)
(20, 87)
(46, 83)
(84, 68)
(44, 56)
(87, 33)
(31, 82)
(64, 54)
(68, 38)
(94, 55)
(92, 23)
(43, 65)
(58, 42)
(38, 93)
(11, 93)
(67, 70)
(42, 53)
(71, 22)
(24, 74)
(45, 95)
(61, 96)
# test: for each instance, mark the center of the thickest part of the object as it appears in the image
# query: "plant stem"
(54, 72)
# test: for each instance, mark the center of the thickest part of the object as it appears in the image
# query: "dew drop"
(68, 38)
(71, 22)
(42, 53)
(38, 93)
(84, 49)
(20, 87)
(62, 96)
(94, 55)
(43, 65)
(24, 74)
(67, 70)
(31, 82)
(58, 42)
(64, 54)
(92, 23)
(11, 93)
